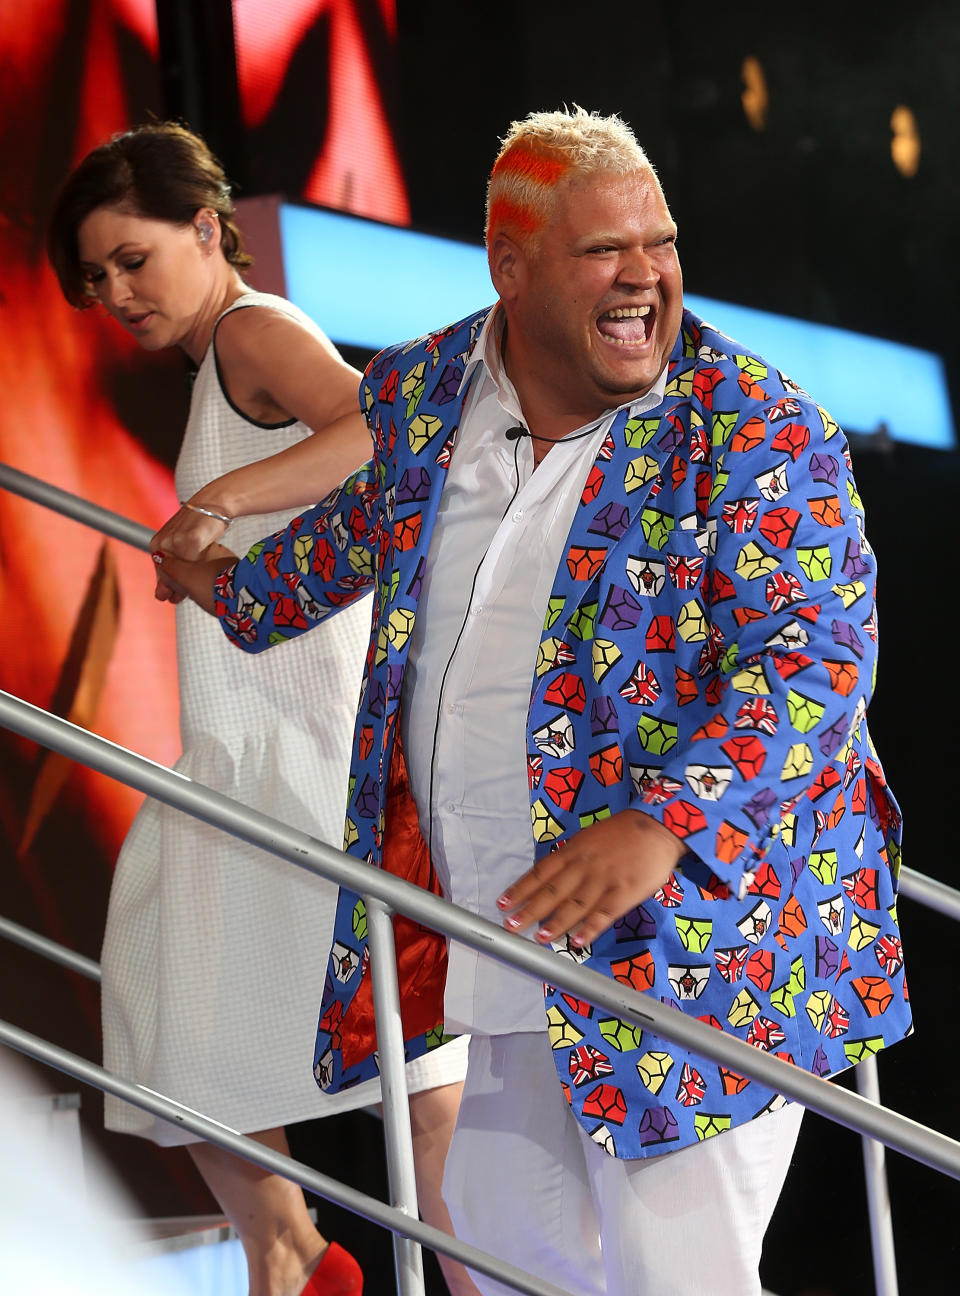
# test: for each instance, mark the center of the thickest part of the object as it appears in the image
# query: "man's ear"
(507, 266)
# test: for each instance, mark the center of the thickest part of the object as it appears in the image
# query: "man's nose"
(638, 268)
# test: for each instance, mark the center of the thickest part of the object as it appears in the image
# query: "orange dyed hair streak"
(521, 184)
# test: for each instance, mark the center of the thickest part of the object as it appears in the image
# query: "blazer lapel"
(622, 486)
(431, 406)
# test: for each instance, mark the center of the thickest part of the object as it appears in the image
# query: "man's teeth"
(620, 315)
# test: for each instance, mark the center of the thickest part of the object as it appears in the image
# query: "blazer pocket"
(690, 542)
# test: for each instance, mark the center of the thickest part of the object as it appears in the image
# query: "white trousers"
(524, 1182)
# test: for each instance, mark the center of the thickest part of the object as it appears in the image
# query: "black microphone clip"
(515, 433)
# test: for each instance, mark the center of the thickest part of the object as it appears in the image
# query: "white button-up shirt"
(490, 569)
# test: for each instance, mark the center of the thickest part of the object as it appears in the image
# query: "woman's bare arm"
(274, 369)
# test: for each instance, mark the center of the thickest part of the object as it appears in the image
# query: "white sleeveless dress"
(215, 952)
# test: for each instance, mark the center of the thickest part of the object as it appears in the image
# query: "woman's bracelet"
(196, 508)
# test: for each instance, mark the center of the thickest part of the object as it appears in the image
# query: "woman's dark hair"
(160, 171)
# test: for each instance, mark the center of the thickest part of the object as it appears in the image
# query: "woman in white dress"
(215, 952)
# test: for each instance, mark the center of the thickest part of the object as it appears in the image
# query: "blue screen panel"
(863, 381)
(368, 285)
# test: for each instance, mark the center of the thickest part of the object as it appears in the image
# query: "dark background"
(807, 217)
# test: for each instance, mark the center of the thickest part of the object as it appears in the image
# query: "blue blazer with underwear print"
(707, 656)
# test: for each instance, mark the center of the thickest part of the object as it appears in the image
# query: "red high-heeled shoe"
(337, 1274)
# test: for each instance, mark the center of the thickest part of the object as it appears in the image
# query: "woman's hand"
(188, 534)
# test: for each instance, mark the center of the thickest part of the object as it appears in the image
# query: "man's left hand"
(595, 877)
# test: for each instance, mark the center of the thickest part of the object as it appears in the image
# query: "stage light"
(905, 145)
(754, 97)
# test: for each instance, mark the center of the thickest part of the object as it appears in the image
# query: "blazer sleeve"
(323, 561)
(326, 558)
(787, 620)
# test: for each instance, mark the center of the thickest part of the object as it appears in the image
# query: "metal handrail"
(930, 892)
(866, 1074)
(49, 949)
(398, 1136)
(878, 1197)
(937, 896)
(331, 1189)
(855, 1112)
(75, 506)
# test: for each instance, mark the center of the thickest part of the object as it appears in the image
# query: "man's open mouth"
(627, 325)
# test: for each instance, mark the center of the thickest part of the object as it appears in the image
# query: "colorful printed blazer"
(707, 656)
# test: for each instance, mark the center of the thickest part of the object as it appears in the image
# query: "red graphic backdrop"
(85, 409)
(357, 168)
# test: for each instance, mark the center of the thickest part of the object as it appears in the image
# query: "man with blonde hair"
(619, 667)
(539, 151)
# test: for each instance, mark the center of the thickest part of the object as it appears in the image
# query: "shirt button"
(518, 516)
(451, 806)
(454, 708)
(478, 609)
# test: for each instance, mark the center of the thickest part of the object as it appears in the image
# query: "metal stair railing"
(917, 886)
(408, 1228)
(49, 949)
(860, 1112)
(72, 506)
(932, 894)
(850, 1109)
(914, 1140)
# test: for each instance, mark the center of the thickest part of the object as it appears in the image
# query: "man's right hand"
(178, 579)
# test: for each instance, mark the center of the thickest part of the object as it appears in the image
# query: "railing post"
(878, 1196)
(401, 1178)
